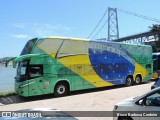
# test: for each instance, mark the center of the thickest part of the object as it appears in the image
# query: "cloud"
(37, 29)
(49, 29)
(20, 36)
(67, 28)
(20, 25)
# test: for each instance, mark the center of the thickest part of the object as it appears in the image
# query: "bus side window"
(148, 66)
(35, 71)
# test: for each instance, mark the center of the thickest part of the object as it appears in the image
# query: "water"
(7, 75)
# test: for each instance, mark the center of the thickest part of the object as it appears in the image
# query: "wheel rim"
(129, 81)
(61, 89)
(138, 80)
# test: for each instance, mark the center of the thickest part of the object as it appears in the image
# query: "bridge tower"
(113, 31)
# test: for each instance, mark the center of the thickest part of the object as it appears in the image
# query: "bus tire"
(129, 81)
(61, 89)
(138, 79)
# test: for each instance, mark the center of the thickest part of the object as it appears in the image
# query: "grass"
(5, 94)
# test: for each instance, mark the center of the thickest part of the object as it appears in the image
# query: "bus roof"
(59, 37)
(83, 39)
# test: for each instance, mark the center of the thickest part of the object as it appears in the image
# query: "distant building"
(10, 63)
(7, 61)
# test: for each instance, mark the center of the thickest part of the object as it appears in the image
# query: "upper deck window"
(28, 47)
(72, 47)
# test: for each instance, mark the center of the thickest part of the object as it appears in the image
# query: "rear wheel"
(128, 81)
(61, 89)
(138, 79)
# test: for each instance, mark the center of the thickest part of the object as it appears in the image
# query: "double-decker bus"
(58, 65)
(156, 65)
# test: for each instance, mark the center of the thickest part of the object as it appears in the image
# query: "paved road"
(97, 100)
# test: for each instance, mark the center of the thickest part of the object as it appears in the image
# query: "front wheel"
(128, 81)
(61, 89)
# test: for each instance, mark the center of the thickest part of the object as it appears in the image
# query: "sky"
(22, 20)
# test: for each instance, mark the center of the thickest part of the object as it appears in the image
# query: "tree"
(155, 28)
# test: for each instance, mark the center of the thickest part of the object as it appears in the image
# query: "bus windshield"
(28, 47)
(21, 71)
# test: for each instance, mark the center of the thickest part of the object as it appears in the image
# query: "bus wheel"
(138, 79)
(61, 89)
(128, 81)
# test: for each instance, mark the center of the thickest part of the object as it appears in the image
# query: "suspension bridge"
(110, 21)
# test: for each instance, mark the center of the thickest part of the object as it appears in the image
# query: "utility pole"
(113, 31)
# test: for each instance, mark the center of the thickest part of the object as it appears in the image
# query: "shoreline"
(3, 94)
(7, 75)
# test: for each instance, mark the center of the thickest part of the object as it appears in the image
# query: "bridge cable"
(100, 29)
(139, 15)
(97, 24)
